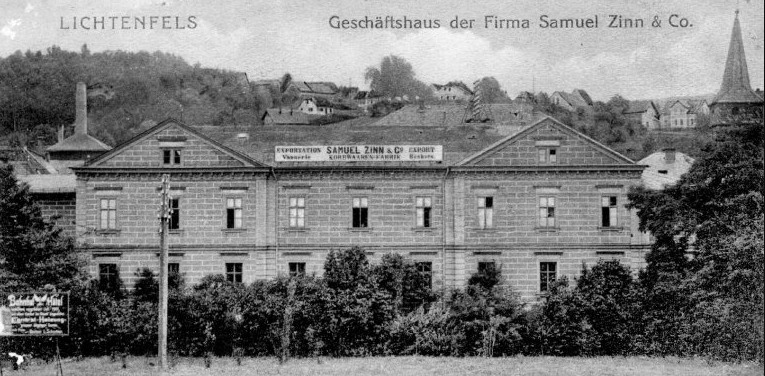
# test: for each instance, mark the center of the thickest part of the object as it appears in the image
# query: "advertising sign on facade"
(34, 314)
(359, 153)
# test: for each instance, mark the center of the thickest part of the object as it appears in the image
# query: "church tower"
(736, 102)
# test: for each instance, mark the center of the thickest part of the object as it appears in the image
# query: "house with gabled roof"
(577, 99)
(260, 202)
(307, 89)
(453, 91)
(646, 113)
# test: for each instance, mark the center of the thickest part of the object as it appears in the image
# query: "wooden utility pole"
(164, 218)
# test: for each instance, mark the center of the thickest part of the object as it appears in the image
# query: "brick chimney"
(81, 116)
(61, 133)
(669, 155)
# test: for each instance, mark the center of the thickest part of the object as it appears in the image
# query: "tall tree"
(396, 78)
(715, 213)
(491, 91)
(33, 252)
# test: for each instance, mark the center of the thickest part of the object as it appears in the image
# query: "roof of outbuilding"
(671, 172)
(289, 116)
(80, 142)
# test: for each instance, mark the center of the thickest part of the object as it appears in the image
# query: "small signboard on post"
(39, 313)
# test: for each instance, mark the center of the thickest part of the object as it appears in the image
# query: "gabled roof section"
(165, 124)
(80, 142)
(545, 121)
(735, 86)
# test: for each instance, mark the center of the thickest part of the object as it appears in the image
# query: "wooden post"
(164, 218)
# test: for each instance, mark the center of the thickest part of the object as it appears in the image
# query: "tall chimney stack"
(81, 116)
(61, 132)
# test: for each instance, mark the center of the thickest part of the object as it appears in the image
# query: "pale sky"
(267, 39)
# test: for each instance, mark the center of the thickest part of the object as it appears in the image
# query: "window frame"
(360, 212)
(423, 217)
(296, 212)
(485, 211)
(108, 276)
(544, 275)
(549, 213)
(299, 268)
(231, 211)
(547, 154)
(174, 222)
(232, 274)
(172, 156)
(109, 211)
(609, 211)
(173, 267)
(420, 265)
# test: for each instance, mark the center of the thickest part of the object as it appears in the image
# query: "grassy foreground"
(403, 366)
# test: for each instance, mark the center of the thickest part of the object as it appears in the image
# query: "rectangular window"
(423, 211)
(547, 275)
(608, 211)
(108, 276)
(108, 214)
(234, 272)
(360, 214)
(297, 269)
(173, 268)
(297, 211)
(486, 266)
(486, 212)
(175, 215)
(425, 268)
(233, 213)
(171, 156)
(547, 212)
(548, 155)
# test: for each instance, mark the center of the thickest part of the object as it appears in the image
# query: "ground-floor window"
(297, 269)
(108, 276)
(547, 275)
(426, 269)
(234, 272)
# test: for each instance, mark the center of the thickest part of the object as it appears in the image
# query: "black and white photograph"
(382, 187)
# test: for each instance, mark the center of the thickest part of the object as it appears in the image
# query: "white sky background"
(267, 39)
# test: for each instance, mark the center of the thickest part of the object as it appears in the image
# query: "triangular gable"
(237, 158)
(589, 151)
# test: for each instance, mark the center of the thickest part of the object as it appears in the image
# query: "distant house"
(646, 113)
(683, 113)
(452, 92)
(365, 99)
(573, 100)
(326, 90)
(315, 106)
(525, 97)
(282, 116)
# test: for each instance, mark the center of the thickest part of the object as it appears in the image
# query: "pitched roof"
(451, 114)
(80, 142)
(513, 137)
(244, 158)
(735, 86)
(286, 116)
(462, 86)
(327, 88)
(50, 183)
(583, 96)
(458, 141)
(671, 172)
(636, 107)
(577, 98)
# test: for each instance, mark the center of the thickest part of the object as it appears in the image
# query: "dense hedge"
(357, 309)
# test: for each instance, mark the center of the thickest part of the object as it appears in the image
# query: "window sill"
(108, 232)
(424, 229)
(296, 229)
(175, 232)
(359, 229)
(611, 229)
(547, 229)
(233, 230)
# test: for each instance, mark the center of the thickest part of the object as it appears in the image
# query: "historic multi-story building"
(264, 202)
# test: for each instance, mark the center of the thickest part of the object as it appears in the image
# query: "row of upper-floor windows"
(360, 212)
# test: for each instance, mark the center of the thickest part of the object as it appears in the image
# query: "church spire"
(735, 86)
